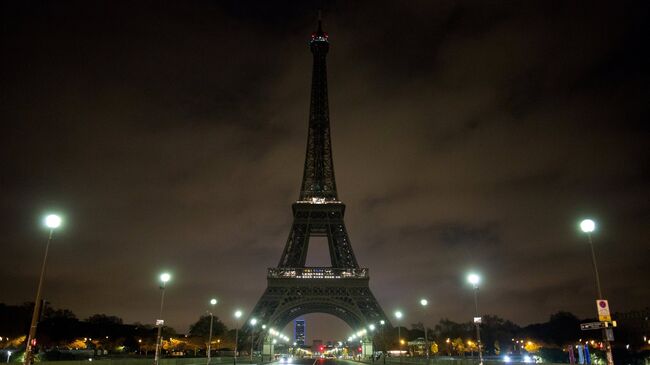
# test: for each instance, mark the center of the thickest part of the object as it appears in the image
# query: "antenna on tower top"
(320, 21)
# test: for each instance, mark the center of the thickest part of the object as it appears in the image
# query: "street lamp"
(398, 316)
(424, 303)
(238, 315)
(52, 221)
(383, 337)
(475, 279)
(164, 278)
(253, 322)
(213, 302)
(588, 226)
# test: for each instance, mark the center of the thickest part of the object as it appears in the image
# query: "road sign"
(478, 320)
(592, 326)
(160, 322)
(603, 310)
(609, 333)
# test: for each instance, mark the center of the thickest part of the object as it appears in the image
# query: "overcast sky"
(466, 136)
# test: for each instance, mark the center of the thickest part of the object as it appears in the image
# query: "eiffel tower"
(294, 289)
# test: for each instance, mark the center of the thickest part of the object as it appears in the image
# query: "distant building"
(317, 347)
(633, 327)
(299, 332)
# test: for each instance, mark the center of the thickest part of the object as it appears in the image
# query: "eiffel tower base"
(293, 292)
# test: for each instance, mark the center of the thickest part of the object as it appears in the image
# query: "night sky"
(466, 135)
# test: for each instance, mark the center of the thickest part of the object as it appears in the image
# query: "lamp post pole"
(398, 315)
(478, 327)
(372, 342)
(52, 221)
(588, 226)
(474, 279)
(253, 323)
(424, 304)
(238, 315)
(213, 302)
(383, 338)
(164, 278)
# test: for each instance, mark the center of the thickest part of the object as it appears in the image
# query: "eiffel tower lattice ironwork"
(293, 289)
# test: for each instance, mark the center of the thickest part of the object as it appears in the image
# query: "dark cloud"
(466, 136)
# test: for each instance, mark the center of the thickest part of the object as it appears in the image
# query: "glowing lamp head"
(165, 277)
(382, 322)
(253, 321)
(473, 279)
(588, 226)
(424, 302)
(398, 314)
(52, 221)
(372, 327)
(238, 314)
(213, 301)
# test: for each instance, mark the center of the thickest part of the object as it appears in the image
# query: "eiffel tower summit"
(295, 289)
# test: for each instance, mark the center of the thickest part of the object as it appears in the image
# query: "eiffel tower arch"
(294, 289)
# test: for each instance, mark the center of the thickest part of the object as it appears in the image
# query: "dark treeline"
(60, 328)
(100, 333)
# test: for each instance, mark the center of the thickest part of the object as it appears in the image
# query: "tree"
(434, 348)
(458, 346)
(77, 344)
(563, 328)
(58, 326)
(103, 319)
(201, 328)
(532, 347)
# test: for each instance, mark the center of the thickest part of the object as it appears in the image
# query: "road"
(308, 361)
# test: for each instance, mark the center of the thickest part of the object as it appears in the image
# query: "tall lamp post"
(213, 302)
(398, 316)
(164, 278)
(588, 226)
(238, 315)
(424, 303)
(372, 328)
(383, 338)
(474, 279)
(253, 322)
(52, 222)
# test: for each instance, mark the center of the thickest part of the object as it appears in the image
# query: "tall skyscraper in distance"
(299, 332)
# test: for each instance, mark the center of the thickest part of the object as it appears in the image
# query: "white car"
(284, 359)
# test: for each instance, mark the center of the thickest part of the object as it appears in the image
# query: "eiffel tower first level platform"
(293, 289)
(293, 292)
